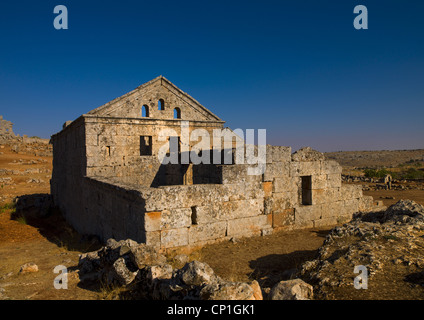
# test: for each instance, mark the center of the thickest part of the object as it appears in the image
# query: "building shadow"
(37, 211)
(273, 268)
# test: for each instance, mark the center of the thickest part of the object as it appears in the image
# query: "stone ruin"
(108, 180)
(6, 129)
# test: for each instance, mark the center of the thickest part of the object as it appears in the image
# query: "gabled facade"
(108, 179)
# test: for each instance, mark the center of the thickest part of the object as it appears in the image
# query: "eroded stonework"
(108, 180)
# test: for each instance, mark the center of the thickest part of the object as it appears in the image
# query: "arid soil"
(49, 242)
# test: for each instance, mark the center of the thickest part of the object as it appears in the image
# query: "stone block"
(174, 237)
(307, 154)
(283, 200)
(91, 140)
(331, 167)
(327, 222)
(319, 181)
(247, 226)
(305, 168)
(334, 180)
(176, 218)
(153, 238)
(285, 184)
(276, 169)
(281, 154)
(240, 209)
(348, 192)
(283, 218)
(268, 188)
(152, 221)
(350, 207)
(204, 215)
(365, 204)
(332, 209)
(205, 232)
(304, 215)
(325, 195)
(268, 204)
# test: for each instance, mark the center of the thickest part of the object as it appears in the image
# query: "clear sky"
(296, 68)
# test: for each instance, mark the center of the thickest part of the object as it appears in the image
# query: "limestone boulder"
(295, 289)
(197, 273)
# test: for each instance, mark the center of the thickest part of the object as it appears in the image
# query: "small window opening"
(161, 104)
(193, 215)
(177, 113)
(108, 150)
(307, 190)
(145, 146)
(145, 111)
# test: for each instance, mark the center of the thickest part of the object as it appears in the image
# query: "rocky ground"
(389, 244)
(25, 168)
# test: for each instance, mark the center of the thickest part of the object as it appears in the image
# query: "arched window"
(177, 113)
(161, 104)
(144, 111)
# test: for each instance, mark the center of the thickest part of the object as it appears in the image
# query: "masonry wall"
(130, 105)
(331, 202)
(107, 184)
(97, 198)
(113, 150)
(175, 216)
(69, 169)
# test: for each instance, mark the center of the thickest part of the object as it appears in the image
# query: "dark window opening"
(177, 113)
(161, 104)
(193, 215)
(307, 190)
(145, 111)
(145, 146)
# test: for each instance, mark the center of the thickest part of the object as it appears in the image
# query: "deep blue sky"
(296, 68)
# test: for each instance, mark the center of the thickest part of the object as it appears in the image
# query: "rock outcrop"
(146, 274)
(389, 244)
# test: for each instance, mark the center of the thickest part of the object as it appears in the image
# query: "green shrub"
(413, 173)
(373, 173)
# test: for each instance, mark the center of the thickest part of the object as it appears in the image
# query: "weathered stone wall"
(173, 216)
(69, 169)
(107, 184)
(149, 94)
(331, 202)
(113, 148)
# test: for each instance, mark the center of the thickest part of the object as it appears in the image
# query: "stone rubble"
(146, 274)
(375, 240)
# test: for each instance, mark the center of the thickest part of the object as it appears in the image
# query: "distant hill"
(377, 159)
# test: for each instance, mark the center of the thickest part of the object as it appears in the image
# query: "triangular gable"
(199, 111)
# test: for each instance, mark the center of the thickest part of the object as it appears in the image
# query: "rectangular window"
(307, 190)
(145, 145)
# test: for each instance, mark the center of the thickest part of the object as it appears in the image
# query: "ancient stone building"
(108, 179)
